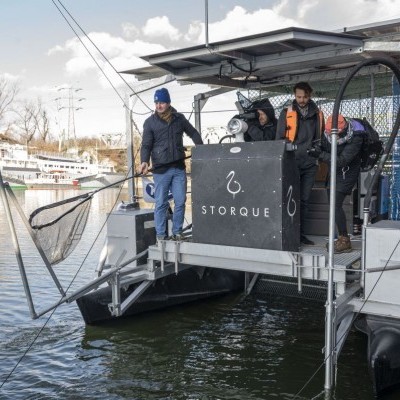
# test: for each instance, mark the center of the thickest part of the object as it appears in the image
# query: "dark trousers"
(340, 216)
(307, 178)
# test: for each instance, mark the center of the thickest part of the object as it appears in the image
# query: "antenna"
(206, 22)
(71, 132)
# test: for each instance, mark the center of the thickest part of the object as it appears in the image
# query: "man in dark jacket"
(302, 124)
(348, 163)
(163, 142)
(264, 127)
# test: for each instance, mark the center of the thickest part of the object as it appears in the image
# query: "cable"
(105, 58)
(93, 58)
(121, 77)
(83, 44)
(112, 66)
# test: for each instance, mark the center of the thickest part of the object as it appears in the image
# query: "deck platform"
(310, 263)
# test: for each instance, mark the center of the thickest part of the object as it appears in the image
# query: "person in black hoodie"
(263, 128)
(302, 124)
(349, 146)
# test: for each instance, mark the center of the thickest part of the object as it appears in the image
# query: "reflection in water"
(227, 348)
(202, 351)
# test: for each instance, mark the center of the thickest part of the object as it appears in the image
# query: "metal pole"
(329, 311)
(200, 101)
(198, 105)
(206, 22)
(130, 151)
(363, 247)
(372, 100)
(17, 249)
(366, 210)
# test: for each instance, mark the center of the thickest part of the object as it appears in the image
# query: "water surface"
(233, 347)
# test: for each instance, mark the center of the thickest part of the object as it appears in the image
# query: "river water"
(228, 348)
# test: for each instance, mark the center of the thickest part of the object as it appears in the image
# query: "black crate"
(246, 195)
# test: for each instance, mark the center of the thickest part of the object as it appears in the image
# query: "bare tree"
(33, 122)
(42, 121)
(8, 92)
(44, 126)
(27, 121)
(8, 130)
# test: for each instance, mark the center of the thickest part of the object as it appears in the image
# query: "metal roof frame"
(267, 60)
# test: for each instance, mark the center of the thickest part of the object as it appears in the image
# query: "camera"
(248, 115)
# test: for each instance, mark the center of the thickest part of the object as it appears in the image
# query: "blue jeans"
(173, 179)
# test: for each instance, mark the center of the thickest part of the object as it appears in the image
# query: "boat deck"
(310, 263)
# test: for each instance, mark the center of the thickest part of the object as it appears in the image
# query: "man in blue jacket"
(163, 143)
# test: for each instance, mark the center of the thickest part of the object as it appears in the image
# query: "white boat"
(53, 180)
(51, 170)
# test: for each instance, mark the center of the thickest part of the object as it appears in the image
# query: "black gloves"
(314, 151)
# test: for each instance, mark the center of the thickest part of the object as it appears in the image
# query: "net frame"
(61, 231)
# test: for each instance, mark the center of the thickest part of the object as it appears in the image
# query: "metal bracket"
(161, 246)
(115, 306)
(177, 245)
(252, 283)
(296, 265)
(134, 295)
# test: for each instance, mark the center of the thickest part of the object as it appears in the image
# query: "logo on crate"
(233, 187)
(291, 203)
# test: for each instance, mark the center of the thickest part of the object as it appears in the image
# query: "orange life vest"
(292, 126)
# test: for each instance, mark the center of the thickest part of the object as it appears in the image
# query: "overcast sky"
(41, 52)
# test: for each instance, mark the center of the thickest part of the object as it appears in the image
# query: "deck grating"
(340, 260)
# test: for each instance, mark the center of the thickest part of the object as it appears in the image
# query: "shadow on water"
(230, 348)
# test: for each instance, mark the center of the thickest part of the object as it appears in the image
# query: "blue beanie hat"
(162, 96)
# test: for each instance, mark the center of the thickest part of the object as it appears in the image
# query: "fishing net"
(59, 226)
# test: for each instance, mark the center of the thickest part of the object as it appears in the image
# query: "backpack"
(372, 147)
